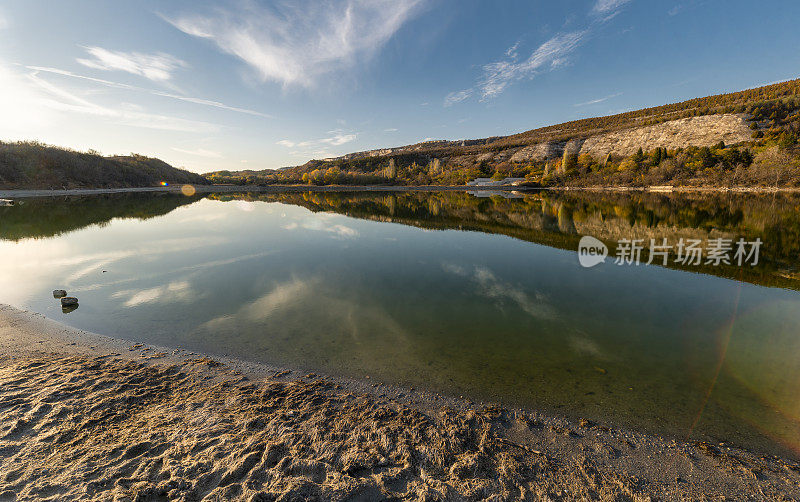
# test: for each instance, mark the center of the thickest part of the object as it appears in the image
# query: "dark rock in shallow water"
(69, 309)
(69, 301)
(59, 293)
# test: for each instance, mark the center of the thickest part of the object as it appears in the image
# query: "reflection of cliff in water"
(51, 216)
(559, 220)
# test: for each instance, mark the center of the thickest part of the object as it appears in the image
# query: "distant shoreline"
(203, 189)
(27, 193)
(239, 427)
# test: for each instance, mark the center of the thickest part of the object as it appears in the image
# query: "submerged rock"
(69, 301)
(67, 310)
(59, 293)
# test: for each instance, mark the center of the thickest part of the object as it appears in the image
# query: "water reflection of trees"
(51, 216)
(554, 219)
(559, 219)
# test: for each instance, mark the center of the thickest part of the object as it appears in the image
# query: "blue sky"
(248, 84)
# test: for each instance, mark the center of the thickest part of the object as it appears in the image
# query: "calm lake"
(475, 295)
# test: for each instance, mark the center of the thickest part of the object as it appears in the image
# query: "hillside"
(743, 138)
(35, 165)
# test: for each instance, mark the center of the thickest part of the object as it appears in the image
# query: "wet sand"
(88, 416)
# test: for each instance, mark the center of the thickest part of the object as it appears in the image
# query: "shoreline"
(206, 189)
(112, 418)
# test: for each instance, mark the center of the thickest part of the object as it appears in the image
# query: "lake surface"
(481, 296)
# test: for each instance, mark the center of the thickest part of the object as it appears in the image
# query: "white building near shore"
(489, 182)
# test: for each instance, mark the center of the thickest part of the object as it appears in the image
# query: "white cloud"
(117, 85)
(606, 7)
(215, 104)
(551, 54)
(3, 21)
(391, 129)
(344, 231)
(176, 291)
(320, 222)
(316, 147)
(512, 51)
(674, 11)
(339, 138)
(598, 100)
(295, 43)
(200, 152)
(457, 97)
(489, 286)
(282, 296)
(39, 98)
(157, 67)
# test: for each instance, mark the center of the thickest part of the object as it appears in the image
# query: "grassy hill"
(35, 165)
(742, 138)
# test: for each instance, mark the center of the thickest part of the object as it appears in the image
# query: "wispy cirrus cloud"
(200, 152)
(156, 67)
(608, 7)
(41, 97)
(598, 100)
(295, 43)
(552, 54)
(457, 97)
(117, 85)
(338, 137)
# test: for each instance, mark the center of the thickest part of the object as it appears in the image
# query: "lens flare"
(772, 377)
(188, 190)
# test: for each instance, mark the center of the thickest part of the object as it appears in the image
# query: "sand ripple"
(109, 429)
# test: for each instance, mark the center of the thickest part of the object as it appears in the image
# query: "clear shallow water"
(388, 286)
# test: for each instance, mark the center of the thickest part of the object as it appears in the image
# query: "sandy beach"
(92, 417)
